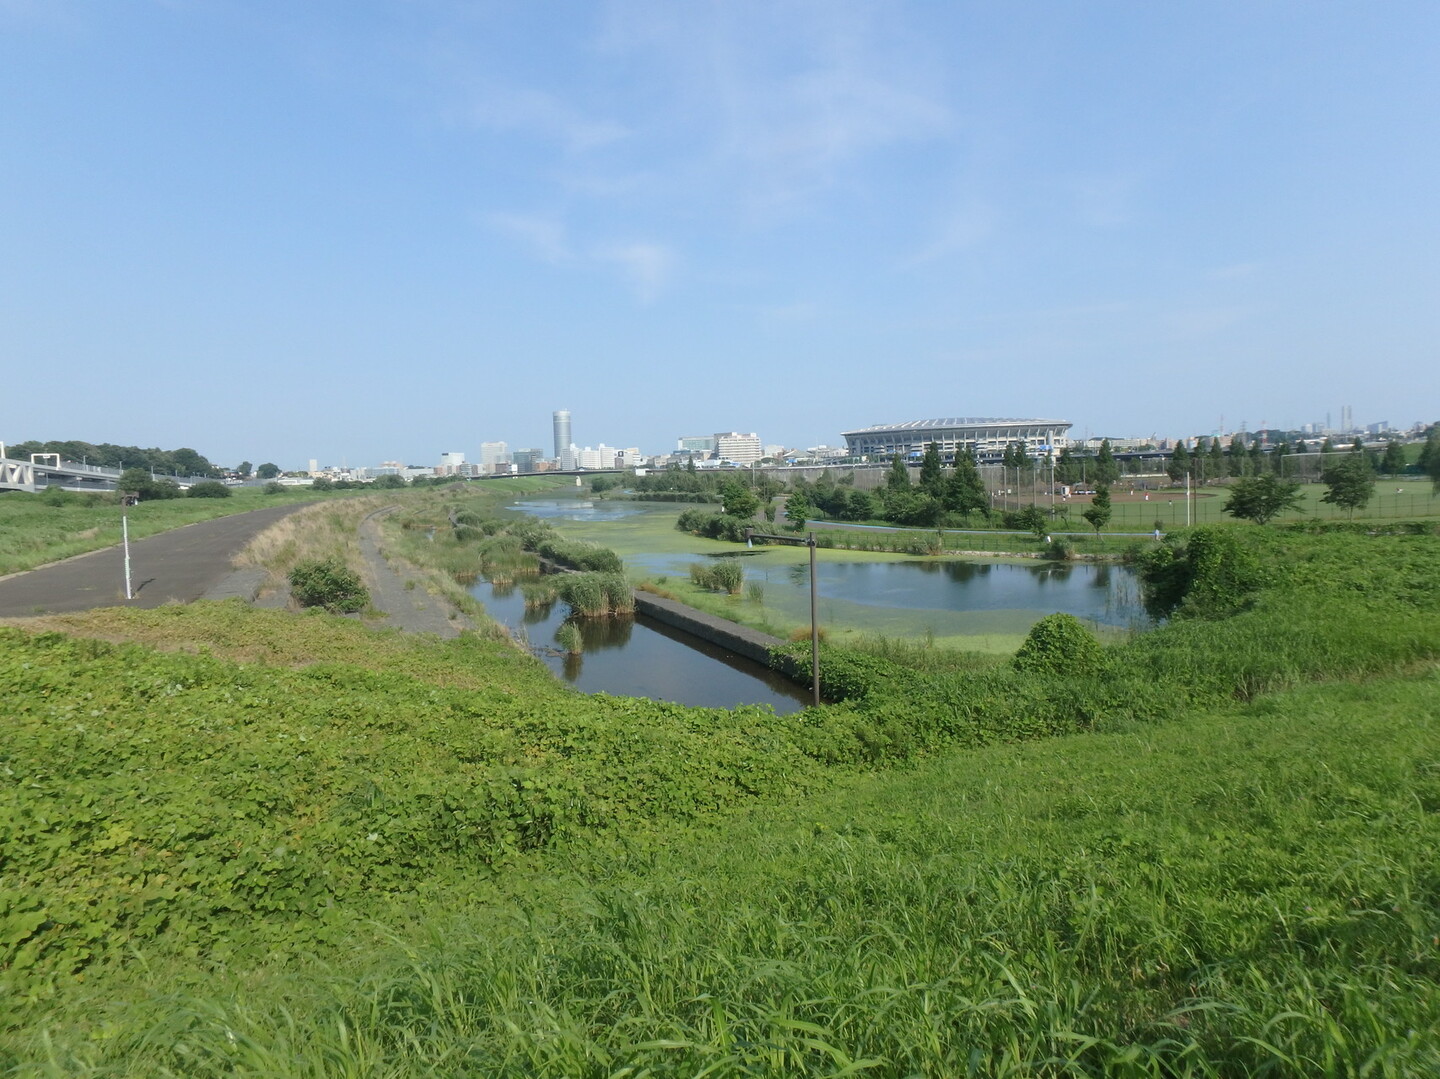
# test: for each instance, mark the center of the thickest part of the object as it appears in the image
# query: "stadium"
(987, 437)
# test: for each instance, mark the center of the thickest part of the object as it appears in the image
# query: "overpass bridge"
(48, 470)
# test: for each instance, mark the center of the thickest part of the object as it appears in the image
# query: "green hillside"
(297, 846)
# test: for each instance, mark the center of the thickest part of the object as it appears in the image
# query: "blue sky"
(361, 230)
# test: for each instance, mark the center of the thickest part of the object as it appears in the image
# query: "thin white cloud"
(544, 238)
(788, 95)
(646, 266)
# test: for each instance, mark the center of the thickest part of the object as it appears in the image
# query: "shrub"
(148, 487)
(328, 583)
(1204, 573)
(1059, 644)
(208, 489)
(1060, 549)
(721, 526)
(274, 487)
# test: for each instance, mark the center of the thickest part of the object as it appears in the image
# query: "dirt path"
(399, 594)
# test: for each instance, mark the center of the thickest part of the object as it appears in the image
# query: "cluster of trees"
(267, 471)
(140, 481)
(181, 462)
(1430, 456)
(1101, 470)
(941, 495)
(1210, 460)
(709, 484)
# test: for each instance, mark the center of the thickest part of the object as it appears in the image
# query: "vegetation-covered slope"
(1242, 885)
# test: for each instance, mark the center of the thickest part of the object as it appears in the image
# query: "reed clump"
(596, 595)
(723, 575)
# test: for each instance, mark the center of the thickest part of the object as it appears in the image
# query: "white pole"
(125, 531)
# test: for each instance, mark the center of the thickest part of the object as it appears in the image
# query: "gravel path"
(399, 594)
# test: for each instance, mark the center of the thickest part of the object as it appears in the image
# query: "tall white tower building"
(562, 433)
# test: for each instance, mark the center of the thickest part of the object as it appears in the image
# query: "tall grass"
(327, 530)
(596, 595)
(722, 575)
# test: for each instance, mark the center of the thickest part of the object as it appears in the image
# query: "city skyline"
(381, 231)
(492, 450)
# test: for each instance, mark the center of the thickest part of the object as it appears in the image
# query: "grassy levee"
(298, 846)
(35, 530)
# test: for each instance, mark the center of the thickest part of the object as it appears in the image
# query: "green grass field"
(1409, 498)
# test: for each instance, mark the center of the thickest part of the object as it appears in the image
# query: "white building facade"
(987, 437)
(738, 448)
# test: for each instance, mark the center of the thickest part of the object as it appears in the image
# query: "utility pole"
(796, 541)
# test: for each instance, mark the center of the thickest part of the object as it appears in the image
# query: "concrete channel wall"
(749, 643)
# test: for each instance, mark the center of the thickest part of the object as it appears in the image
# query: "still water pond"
(974, 604)
(642, 658)
(897, 597)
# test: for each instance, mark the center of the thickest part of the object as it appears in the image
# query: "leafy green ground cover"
(1190, 861)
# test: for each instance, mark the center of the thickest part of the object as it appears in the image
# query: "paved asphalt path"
(177, 566)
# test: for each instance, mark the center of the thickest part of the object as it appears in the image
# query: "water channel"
(974, 600)
(640, 657)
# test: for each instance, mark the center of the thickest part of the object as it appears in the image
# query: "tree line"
(181, 462)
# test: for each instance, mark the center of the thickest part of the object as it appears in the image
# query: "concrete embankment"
(747, 643)
(743, 641)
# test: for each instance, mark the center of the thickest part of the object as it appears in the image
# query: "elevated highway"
(48, 470)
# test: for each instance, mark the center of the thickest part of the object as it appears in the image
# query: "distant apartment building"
(602, 456)
(494, 455)
(703, 445)
(450, 464)
(737, 448)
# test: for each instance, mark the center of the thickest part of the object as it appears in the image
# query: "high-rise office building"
(562, 433)
(527, 460)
